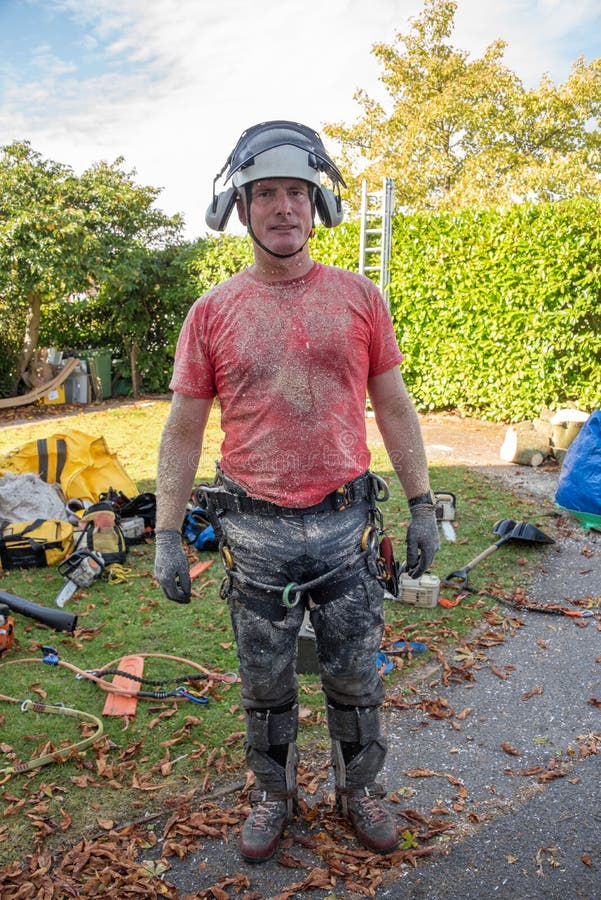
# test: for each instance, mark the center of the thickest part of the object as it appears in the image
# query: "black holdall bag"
(142, 506)
(34, 544)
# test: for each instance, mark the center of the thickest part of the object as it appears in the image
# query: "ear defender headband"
(278, 149)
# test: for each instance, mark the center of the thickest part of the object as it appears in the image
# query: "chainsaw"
(445, 509)
(81, 569)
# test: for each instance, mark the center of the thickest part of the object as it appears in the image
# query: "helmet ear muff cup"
(329, 207)
(220, 209)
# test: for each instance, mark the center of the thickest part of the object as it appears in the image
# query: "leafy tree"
(62, 235)
(138, 319)
(147, 313)
(218, 258)
(458, 132)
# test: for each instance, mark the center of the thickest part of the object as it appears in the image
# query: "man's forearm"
(179, 454)
(405, 448)
(175, 478)
(399, 426)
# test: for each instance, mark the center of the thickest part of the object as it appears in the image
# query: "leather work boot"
(374, 826)
(264, 826)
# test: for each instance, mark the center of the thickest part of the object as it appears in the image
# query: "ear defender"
(220, 209)
(329, 207)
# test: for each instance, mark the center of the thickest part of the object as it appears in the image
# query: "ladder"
(375, 237)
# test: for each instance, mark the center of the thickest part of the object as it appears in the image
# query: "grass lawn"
(174, 746)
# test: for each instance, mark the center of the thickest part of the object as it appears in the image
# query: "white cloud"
(50, 65)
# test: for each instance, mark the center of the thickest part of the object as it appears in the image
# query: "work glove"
(171, 568)
(422, 539)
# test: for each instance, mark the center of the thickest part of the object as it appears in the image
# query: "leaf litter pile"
(134, 859)
(121, 862)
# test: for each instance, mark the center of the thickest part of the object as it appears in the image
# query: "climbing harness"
(216, 499)
(297, 590)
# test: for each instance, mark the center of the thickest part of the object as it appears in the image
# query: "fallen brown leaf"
(290, 861)
(533, 770)
(532, 693)
(502, 675)
(509, 749)
(552, 775)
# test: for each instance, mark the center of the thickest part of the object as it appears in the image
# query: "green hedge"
(498, 310)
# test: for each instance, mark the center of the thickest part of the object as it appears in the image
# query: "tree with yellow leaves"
(457, 132)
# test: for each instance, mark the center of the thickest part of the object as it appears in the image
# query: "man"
(290, 348)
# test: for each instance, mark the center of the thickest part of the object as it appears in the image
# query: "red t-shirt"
(289, 362)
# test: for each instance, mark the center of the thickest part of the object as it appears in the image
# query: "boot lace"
(371, 809)
(265, 815)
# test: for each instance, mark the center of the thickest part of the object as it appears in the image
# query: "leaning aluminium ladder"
(375, 237)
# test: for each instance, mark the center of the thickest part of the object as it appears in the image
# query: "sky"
(169, 85)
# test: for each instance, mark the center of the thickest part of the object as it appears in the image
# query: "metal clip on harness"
(297, 590)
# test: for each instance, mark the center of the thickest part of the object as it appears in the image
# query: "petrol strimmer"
(508, 530)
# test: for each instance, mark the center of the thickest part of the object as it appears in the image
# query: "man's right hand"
(171, 568)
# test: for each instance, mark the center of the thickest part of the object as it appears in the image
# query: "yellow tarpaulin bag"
(29, 545)
(84, 466)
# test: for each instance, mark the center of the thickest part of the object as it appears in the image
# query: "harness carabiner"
(226, 557)
(290, 604)
(380, 489)
(191, 695)
(370, 539)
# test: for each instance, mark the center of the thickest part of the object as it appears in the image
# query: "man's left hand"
(422, 539)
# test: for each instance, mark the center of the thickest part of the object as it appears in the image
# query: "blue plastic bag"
(579, 486)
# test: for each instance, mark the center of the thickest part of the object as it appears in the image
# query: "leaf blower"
(54, 618)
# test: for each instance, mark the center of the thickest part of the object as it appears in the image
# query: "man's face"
(281, 214)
